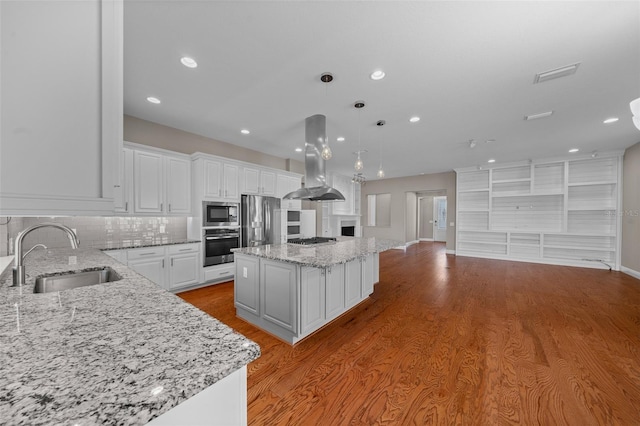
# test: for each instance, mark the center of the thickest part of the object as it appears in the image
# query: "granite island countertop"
(323, 255)
(122, 353)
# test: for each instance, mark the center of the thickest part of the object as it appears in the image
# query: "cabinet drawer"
(184, 248)
(214, 273)
(142, 253)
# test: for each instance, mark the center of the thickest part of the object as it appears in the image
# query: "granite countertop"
(129, 244)
(120, 353)
(321, 255)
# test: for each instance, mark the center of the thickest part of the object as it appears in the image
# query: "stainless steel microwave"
(216, 213)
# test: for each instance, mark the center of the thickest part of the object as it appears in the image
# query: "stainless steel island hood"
(316, 188)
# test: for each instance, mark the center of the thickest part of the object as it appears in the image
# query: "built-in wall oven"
(218, 243)
(215, 213)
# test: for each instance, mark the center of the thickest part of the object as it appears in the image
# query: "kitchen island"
(125, 352)
(291, 291)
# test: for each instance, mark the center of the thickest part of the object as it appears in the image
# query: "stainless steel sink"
(67, 281)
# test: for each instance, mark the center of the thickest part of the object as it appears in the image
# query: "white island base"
(291, 301)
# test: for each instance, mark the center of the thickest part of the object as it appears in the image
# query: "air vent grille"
(556, 73)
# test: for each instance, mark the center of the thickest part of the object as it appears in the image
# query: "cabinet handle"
(172, 261)
(169, 206)
(126, 206)
(222, 273)
(162, 263)
(225, 193)
(187, 249)
(116, 186)
(161, 206)
(146, 254)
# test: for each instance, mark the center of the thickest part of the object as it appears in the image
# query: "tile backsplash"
(99, 232)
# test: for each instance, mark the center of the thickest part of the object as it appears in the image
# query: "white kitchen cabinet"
(184, 265)
(368, 274)
(353, 283)
(148, 182)
(278, 294)
(123, 193)
(312, 299)
(258, 181)
(216, 179)
(247, 283)
(178, 185)
(286, 183)
(61, 131)
(150, 263)
(335, 290)
(161, 183)
(218, 273)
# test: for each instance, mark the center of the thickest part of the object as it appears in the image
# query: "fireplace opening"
(348, 231)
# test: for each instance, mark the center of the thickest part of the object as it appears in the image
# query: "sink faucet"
(18, 268)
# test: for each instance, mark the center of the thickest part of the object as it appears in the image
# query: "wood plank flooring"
(455, 340)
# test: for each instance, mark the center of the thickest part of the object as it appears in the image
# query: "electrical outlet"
(73, 260)
(244, 272)
(452, 224)
(162, 229)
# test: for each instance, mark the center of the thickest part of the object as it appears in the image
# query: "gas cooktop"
(310, 241)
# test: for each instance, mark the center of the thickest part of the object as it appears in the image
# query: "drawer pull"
(187, 249)
(146, 254)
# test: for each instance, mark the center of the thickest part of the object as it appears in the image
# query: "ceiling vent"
(556, 73)
(536, 116)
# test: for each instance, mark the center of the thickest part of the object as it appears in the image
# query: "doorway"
(440, 218)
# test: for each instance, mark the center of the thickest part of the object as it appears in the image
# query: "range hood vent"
(316, 188)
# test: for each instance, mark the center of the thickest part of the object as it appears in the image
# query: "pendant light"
(326, 153)
(380, 123)
(359, 165)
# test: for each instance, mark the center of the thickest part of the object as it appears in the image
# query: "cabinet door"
(278, 294)
(150, 268)
(231, 182)
(178, 183)
(312, 299)
(352, 282)
(295, 183)
(183, 270)
(148, 182)
(212, 179)
(246, 287)
(367, 275)
(267, 183)
(376, 268)
(250, 180)
(62, 122)
(334, 291)
(122, 199)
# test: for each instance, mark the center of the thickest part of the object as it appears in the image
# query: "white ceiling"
(466, 68)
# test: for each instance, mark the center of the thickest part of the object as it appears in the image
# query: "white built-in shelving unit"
(558, 211)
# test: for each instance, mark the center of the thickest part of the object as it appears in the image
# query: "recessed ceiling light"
(572, 150)
(188, 62)
(153, 100)
(245, 131)
(414, 119)
(377, 75)
(340, 138)
(610, 120)
(298, 149)
(491, 160)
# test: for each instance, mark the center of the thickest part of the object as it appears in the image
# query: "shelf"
(579, 248)
(578, 234)
(593, 183)
(473, 210)
(524, 245)
(482, 242)
(473, 190)
(587, 209)
(511, 180)
(513, 194)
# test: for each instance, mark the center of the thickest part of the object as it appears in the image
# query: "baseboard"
(426, 239)
(629, 271)
(410, 243)
(451, 252)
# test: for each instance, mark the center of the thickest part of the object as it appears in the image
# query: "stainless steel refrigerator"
(257, 226)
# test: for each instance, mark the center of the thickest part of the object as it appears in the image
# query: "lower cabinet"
(278, 293)
(171, 267)
(293, 301)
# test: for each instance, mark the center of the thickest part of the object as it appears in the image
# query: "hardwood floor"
(455, 340)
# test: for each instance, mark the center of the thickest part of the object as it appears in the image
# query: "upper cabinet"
(154, 182)
(61, 129)
(215, 178)
(287, 183)
(258, 181)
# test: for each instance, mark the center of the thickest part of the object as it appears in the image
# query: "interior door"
(440, 218)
